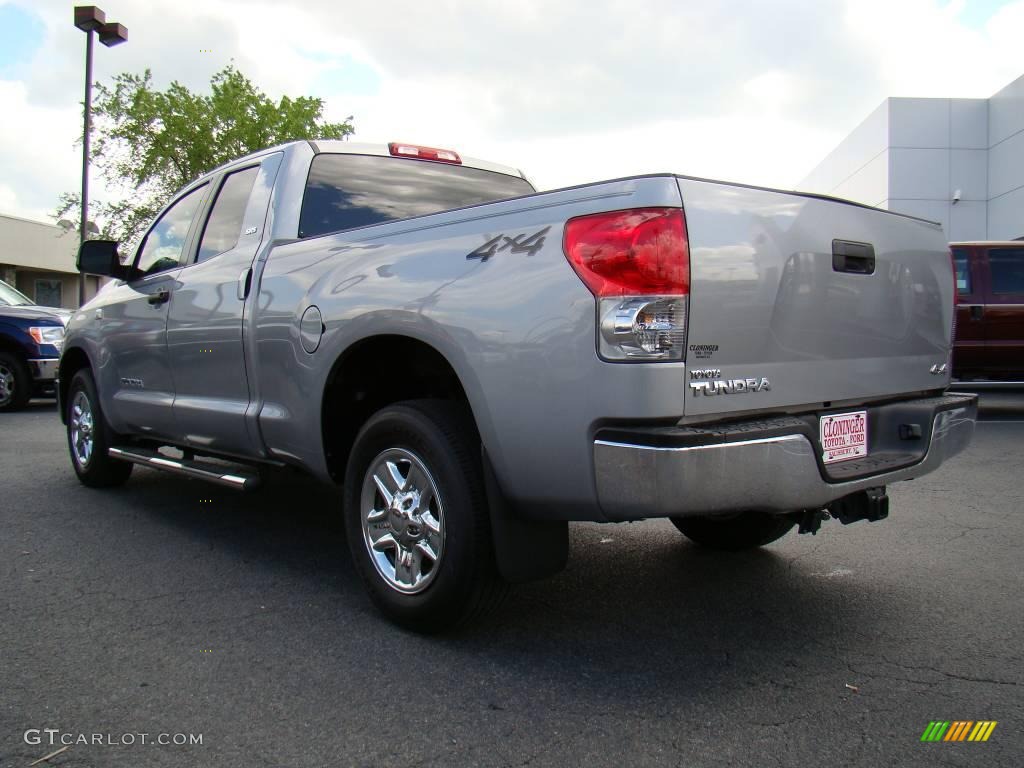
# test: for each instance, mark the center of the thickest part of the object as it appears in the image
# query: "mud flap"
(526, 550)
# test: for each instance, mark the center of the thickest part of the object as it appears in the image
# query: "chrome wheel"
(403, 520)
(6, 384)
(81, 429)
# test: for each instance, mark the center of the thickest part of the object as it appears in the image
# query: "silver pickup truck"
(476, 364)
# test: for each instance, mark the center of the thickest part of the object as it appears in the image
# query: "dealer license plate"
(844, 436)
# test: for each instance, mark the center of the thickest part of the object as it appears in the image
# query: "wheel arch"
(72, 360)
(355, 388)
(349, 400)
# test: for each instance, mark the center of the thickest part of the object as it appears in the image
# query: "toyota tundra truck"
(475, 364)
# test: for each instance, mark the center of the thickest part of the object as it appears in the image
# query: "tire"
(418, 449)
(15, 382)
(745, 530)
(89, 437)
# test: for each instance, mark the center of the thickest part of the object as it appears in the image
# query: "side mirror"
(99, 257)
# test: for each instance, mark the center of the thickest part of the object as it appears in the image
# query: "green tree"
(148, 143)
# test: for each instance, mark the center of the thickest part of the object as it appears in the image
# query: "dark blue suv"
(30, 342)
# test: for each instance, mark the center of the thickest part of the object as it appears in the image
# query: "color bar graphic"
(982, 730)
(935, 730)
(959, 730)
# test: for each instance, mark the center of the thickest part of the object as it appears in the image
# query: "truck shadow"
(639, 609)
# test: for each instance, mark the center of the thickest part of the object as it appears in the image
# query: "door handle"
(160, 297)
(855, 258)
(244, 284)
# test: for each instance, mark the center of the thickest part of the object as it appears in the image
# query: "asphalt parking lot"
(171, 606)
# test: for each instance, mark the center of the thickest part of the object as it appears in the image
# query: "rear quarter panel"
(518, 329)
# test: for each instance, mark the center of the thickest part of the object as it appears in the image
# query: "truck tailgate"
(783, 288)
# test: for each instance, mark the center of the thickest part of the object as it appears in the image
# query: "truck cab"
(989, 338)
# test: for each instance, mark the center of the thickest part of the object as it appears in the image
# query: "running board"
(238, 479)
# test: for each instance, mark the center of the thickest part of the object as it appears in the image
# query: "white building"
(956, 161)
(39, 260)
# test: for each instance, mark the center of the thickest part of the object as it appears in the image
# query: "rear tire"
(745, 530)
(89, 437)
(416, 516)
(15, 382)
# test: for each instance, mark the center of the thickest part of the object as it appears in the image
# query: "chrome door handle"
(244, 283)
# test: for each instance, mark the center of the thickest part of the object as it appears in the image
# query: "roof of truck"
(339, 146)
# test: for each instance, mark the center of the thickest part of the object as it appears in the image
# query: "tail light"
(424, 153)
(637, 264)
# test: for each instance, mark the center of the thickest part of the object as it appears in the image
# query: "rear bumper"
(771, 465)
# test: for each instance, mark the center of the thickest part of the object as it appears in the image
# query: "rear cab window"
(344, 191)
(225, 223)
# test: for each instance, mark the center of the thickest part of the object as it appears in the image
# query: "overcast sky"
(567, 90)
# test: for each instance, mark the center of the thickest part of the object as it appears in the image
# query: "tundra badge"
(730, 386)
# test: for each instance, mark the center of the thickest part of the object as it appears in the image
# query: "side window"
(225, 222)
(1006, 267)
(161, 250)
(962, 262)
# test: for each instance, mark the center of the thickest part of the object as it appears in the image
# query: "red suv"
(989, 341)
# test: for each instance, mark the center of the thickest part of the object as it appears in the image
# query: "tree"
(148, 143)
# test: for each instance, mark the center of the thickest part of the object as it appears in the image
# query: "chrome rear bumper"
(780, 473)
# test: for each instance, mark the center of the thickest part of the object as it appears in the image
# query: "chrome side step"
(238, 478)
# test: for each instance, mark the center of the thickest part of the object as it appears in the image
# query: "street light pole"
(85, 155)
(89, 19)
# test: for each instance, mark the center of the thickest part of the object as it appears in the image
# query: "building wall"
(857, 169)
(34, 250)
(1006, 163)
(27, 281)
(915, 155)
(37, 245)
(940, 147)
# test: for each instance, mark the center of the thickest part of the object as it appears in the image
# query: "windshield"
(12, 298)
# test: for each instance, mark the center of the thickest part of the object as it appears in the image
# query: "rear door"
(205, 327)
(969, 352)
(1004, 312)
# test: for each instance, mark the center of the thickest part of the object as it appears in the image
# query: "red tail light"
(642, 251)
(424, 153)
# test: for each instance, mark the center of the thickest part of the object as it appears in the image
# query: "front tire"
(15, 382)
(416, 516)
(745, 530)
(89, 437)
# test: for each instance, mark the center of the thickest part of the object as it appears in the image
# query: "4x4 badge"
(523, 243)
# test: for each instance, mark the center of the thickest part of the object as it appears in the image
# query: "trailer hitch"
(871, 505)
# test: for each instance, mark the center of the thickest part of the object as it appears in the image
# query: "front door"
(205, 330)
(135, 378)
